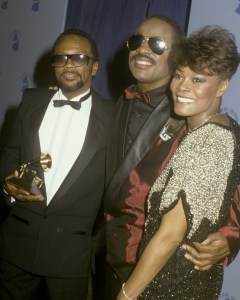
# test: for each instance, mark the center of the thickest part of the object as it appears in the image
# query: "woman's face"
(196, 95)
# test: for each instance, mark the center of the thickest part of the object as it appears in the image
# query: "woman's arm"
(157, 253)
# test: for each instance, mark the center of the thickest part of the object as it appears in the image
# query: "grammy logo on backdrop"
(28, 179)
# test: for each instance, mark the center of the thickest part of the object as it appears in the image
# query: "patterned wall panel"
(27, 30)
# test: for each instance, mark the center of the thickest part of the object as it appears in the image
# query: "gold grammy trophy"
(28, 179)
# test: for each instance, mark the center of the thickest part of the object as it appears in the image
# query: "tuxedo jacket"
(120, 164)
(55, 240)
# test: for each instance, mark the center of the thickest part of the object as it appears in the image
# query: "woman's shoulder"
(210, 138)
(234, 125)
(212, 131)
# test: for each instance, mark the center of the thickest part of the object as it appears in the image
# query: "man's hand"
(19, 194)
(207, 253)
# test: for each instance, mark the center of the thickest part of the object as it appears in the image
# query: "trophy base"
(24, 185)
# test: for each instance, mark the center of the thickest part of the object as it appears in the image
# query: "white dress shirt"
(62, 135)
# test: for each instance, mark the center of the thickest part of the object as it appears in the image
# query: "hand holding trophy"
(28, 181)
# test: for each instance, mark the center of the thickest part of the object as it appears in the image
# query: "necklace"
(205, 121)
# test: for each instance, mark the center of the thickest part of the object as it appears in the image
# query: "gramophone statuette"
(28, 179)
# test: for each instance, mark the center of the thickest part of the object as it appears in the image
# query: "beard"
(68, 88)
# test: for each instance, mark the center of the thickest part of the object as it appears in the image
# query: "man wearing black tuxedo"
(47, 237)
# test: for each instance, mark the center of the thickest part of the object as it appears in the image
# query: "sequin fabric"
(204, 172)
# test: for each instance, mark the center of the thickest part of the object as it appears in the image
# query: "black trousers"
(18, 284)
(112, 284)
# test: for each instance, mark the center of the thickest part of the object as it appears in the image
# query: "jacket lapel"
(137, 151)
(32, 142)
(35, 121)
(115, 147)
(90, 147)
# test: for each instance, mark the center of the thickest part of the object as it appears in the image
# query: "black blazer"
(119, 165)
(55, 240)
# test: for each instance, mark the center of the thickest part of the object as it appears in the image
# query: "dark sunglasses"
(156, 44)
(78, 60)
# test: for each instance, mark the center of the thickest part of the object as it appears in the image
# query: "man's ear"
(95, 68)
(222, 87)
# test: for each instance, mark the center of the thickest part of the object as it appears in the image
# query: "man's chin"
(70, 88)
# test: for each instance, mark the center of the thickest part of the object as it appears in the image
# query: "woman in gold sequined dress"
(190, 198)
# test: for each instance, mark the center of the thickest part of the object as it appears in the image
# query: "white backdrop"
(227, 14)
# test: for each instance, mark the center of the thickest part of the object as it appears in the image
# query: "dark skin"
(20, 194)
(151, 71)
(204, 255)
(206, 98)
(73, 81)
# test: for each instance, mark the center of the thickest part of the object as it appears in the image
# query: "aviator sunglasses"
(156, 44)
(78, 60)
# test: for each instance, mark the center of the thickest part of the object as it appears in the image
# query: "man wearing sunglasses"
(142, 139)
(46, 239)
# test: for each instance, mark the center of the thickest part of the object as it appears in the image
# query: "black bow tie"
(73, 104)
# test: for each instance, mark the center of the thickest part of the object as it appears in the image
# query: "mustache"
(70, 72)
(139, 55)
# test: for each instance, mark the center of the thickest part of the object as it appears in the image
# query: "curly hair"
(79, 33)
(211, 50)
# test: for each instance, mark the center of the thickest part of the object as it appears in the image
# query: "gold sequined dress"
(204, 172)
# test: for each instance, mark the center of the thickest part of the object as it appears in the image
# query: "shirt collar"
(59, 95)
